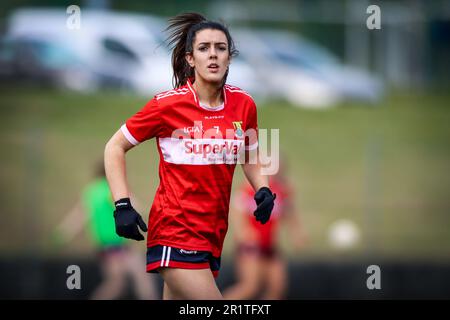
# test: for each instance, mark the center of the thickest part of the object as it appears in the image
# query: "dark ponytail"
(182, 29)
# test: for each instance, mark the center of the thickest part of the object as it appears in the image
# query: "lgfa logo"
(238, 129)
(196, 128)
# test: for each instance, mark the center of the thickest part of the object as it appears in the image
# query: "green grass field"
(386, 167)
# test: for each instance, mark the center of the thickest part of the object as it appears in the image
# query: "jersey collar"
(197, 101)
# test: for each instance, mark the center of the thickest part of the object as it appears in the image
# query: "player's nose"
(212, 52)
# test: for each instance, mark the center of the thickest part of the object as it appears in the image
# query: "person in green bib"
(96, 198)
(117, 259)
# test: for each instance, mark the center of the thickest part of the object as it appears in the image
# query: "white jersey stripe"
(128, 135)
(232, 87)
(172, 91)
(239, 91)
(224, 96)
(192, 90)
(172, 94)
(162, 258)
(168, 256)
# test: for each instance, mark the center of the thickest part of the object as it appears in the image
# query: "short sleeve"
(145, 124)
(251, 129)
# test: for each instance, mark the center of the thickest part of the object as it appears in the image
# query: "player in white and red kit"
(203, 128)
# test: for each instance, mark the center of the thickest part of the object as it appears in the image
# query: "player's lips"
(213, 67)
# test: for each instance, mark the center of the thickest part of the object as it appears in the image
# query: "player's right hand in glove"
(127, 220)
(265, 200)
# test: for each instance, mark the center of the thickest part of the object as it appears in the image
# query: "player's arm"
(126, 218)
(115, 166)
(253, 170)
(264, 197)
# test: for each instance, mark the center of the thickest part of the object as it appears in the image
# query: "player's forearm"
(115, 169)
(254, 175)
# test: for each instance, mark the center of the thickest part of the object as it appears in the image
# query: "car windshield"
(291, 50)
(149, 45)
(52, 54)
(159, 44)
(6, 50)
(148, 48)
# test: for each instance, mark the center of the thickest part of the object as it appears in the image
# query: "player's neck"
(209, 94)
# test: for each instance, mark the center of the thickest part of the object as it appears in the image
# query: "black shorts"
(169, 257)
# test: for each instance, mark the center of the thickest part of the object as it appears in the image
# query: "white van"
(125, 50)
(127, 47)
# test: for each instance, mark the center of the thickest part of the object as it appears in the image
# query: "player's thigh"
(190, 284)
(167, 294)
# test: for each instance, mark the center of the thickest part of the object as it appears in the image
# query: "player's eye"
(203, 48)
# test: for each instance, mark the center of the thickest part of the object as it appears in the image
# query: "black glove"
(265, 201)
(127, 220)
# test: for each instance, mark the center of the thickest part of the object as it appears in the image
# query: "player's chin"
(214, 78)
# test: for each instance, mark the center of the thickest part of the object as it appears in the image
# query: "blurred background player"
(118, 261)
(261, 270)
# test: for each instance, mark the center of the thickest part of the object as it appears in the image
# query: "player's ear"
(190, 58)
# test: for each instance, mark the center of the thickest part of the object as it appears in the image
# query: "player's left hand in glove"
(265, 200)
(127, 220)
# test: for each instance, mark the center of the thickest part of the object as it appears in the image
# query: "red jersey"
(266, 233)
(198, 148)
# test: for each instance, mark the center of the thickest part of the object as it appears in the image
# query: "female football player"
(203, 128)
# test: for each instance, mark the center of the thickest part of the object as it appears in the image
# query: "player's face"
(210, 56)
